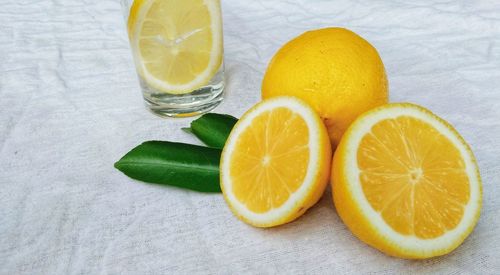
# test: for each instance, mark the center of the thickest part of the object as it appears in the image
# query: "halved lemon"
(275, 164)
(177, 45)
(406, 183)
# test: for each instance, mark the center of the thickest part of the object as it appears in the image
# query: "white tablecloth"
(70, 107)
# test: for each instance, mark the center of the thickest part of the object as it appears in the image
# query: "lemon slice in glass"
(177, 45)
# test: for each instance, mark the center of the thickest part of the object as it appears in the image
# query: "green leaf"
(213, 129)
(177, 164)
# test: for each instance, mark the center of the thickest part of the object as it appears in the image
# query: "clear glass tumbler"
(178, 53)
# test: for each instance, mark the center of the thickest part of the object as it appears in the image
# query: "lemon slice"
(406, 183)
(177, 45)
(276, 162)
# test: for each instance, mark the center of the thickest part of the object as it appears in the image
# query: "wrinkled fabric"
(70, 106)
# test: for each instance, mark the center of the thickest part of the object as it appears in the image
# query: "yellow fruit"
(334, 70)
(276, 162)
(177, 45)
(405, 182)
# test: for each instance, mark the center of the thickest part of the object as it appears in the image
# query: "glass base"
(187, 110)
(195, 103)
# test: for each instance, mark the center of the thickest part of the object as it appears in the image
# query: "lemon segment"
(177, 45)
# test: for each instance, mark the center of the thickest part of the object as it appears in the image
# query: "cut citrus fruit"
(177, 45)
(275, 164)
(406, 183)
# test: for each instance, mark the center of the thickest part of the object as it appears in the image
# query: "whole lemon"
(335, 70)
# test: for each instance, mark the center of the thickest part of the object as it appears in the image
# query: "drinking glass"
(178, 54)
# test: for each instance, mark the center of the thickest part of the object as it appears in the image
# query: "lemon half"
(406, 183)
(276, 162)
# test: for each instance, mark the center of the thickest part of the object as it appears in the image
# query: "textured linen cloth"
(70, 106)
